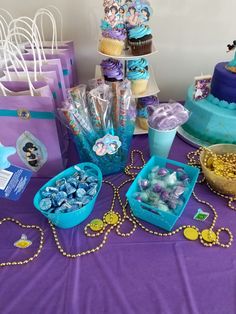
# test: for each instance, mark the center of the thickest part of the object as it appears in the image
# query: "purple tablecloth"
(135, 275)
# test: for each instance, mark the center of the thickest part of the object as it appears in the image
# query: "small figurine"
(201, 215)
(23, 243)
(231, 66)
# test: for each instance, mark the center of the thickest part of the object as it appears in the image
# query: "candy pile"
(163, 189)
(69, 194)
(167, 116)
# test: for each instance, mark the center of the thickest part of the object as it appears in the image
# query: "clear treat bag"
(102, 122)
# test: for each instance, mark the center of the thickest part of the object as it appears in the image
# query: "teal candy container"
(71, 219)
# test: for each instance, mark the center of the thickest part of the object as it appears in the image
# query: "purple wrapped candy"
(167, 116)
(165, 196)
(144, 184)
(172, 204)
(162, 172)
(179, 190)
(182, 175)
(157, 188)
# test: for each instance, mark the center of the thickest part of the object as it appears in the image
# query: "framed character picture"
(202, 87)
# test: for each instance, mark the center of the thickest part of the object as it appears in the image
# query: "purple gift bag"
(64, 56)
(28, 123)
(49, 77)
(50, 65)
(70, 46)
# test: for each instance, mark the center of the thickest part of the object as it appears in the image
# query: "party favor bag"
(49, 65)
(28, 123)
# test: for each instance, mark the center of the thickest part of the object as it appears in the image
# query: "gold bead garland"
(114, 220)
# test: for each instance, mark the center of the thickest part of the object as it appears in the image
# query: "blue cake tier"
(223, 85)
(210, 122)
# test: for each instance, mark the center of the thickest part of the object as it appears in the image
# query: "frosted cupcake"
(140, 40)
(138, 75)
(112, 42)
(138, 63)
(112, 70)
(142, 114)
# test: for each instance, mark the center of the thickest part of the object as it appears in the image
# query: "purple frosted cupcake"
(112, 42)
(142, 115)
(112, 70)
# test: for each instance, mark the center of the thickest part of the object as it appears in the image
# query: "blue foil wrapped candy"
(80, 193)
(45, 204)
(60, 197)
(69, 194)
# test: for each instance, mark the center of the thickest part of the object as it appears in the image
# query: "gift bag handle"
(3, 33)
(4, 20)
(8, 39)
(34, 30)
(7, 13)
(42, 12)
(22, 64)
(60, 18)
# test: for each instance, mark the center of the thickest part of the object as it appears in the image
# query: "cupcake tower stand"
(152, 88)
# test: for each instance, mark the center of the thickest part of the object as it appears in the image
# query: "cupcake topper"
(114, 14)
(137, 12)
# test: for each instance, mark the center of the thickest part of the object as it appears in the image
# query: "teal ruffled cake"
(213, 119)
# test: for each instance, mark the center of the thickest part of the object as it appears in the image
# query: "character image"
(112, 148)
(112, 16)
(30, 154)
(100, 149)
(198, 92)
(145, 15)
(132, 18)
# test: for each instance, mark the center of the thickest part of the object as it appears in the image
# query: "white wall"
(191, 36)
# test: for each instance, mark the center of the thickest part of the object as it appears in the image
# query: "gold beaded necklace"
(112, 220)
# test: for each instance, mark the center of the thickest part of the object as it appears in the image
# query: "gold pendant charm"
(208, 235)
(96, 225)
(191, 233)
(111, 218)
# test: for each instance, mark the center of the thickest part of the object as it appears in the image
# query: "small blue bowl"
(71, 219)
